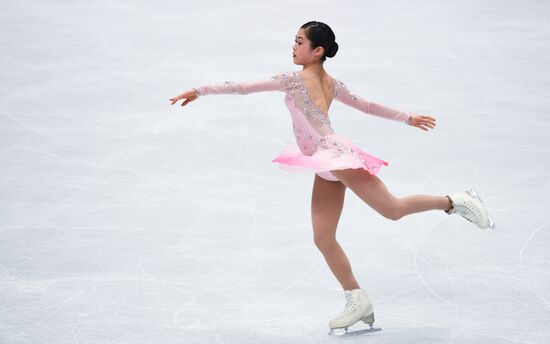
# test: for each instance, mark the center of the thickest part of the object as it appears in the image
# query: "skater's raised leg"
(373, 192)
(327, 202)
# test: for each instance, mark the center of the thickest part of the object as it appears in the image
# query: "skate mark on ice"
(19, 123)
(175, 318)
(527, 242)
(451, 281)
(480, 261)
(293, 283)
(251, 235)
(226, 277)
(514, 277)
(417, 270)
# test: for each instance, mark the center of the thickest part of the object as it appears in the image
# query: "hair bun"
(332, 50)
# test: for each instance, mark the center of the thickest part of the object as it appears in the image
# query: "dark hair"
(321, 35)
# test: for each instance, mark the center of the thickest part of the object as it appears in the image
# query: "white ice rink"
(124, 219)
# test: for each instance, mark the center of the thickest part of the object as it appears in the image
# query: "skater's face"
(301, 51)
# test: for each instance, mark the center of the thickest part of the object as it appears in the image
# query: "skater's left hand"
(422, 122)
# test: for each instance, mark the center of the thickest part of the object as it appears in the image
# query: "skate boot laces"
(351, 305)
(467, 211)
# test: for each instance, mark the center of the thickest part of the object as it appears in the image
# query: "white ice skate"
(469, 205)
(358, 307)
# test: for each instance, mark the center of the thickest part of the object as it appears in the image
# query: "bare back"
(320, 90)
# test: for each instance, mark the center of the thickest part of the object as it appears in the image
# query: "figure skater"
(337, 162)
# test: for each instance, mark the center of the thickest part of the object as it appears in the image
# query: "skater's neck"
(315, 68)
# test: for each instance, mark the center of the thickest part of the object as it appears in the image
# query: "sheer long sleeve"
(345, 96)
(231, 87)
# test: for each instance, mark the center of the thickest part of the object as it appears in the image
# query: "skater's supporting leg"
(327, 202)
(373, 191)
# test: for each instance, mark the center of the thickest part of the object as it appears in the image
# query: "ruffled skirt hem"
(333, 153)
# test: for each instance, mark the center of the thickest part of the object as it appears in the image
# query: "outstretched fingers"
(423, 122)
(189, 96)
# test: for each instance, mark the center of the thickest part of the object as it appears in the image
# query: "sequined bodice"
(295, 86)
(309, 122)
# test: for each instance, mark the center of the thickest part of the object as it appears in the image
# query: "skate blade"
(491, 222)
(347, 333)
(474, 193)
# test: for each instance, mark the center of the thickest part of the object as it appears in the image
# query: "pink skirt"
(334, 152)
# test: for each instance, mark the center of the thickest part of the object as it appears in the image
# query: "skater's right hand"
(189, 96)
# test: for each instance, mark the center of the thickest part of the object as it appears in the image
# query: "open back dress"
(317, 147)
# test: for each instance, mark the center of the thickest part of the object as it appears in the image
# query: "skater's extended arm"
(345, 96)
(230, 87)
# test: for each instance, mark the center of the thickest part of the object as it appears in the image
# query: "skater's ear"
(319, 52)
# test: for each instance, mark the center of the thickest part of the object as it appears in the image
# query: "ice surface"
(126, 220)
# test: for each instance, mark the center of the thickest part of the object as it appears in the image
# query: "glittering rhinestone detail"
(231, 85)
(343, 90)
(310, 109)
(294, 85)
(328, 142)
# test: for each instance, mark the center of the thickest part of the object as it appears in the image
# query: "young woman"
(337, 162)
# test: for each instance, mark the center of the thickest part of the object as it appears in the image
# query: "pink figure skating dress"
(317, 147)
